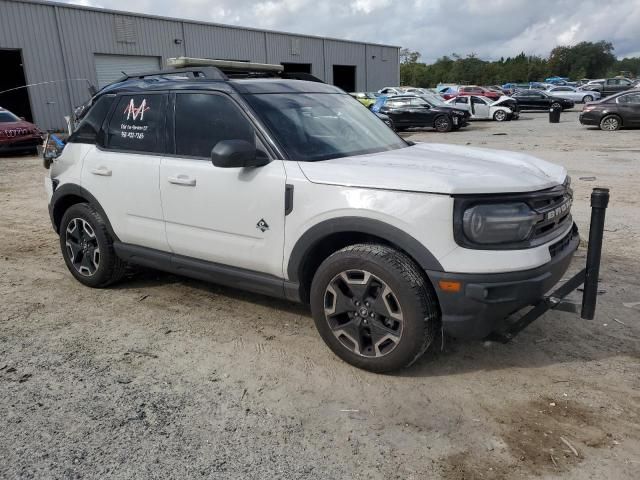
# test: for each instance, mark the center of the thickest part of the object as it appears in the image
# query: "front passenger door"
(230, 216)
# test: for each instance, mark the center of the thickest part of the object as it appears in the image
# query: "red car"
(16, 134)
(480, 91)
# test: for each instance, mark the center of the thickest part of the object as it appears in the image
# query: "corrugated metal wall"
(60, 42)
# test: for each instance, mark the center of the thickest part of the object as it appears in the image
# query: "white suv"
(294, 189)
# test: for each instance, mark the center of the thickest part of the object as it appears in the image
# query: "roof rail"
(210, 73)
(224, 65)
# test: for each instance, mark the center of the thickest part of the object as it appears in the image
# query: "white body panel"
(213, 214)
(439, 168)
(426, 217)
(126, 186)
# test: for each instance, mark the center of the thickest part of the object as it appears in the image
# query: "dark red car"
(16, 134)
(480, 91)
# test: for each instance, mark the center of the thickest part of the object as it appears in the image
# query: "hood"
(439, 168)
(503, 99)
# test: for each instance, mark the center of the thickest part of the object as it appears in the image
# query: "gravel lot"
(165, 377)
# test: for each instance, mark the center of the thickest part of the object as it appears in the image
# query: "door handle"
(182, 180)
(102, 171)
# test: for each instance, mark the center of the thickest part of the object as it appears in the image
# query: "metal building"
(73, 46)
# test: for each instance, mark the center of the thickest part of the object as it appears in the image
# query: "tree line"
(583, 60)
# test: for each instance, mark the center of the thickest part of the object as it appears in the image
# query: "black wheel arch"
(329, 236)
(70, 194)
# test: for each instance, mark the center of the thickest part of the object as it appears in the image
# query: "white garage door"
(109, 68)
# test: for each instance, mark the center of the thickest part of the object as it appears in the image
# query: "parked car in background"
(448, 92)
(610, 86)
(391, 91)
(365, 98)
(411, 111)
(479, 91)
(483, 108)
(17, 135)
(614, 112)
(574, 94)
(538, 100)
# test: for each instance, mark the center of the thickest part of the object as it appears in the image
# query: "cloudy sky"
(488, 28)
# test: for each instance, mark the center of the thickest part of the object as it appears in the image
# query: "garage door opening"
(110, 68)
(296, 67)
(344, 76)
(12, 76)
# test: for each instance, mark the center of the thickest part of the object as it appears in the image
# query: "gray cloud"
(488, 28)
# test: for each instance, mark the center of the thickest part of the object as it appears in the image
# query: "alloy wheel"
(500, 115)
(82, 247)
(442, 124)
(587, 99)
(610, 124)
(364, 313)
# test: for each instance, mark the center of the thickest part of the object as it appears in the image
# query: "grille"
(554, 211)
(561, 244)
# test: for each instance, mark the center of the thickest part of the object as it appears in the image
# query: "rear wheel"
(87, 247)
(500, 116)
(373, 307)
(443, 124)
(556, 105)
(610, 123)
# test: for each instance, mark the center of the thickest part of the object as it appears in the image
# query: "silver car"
(576, 95)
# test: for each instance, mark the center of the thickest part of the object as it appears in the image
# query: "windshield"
(321, 126)
(8, 117)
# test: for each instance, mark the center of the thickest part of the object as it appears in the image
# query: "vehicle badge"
(262, 225)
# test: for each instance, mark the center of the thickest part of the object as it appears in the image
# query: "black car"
(537, 100)
(409, 111)
(614, 112)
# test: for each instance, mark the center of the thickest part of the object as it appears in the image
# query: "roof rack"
(224, 65)
(210, 73)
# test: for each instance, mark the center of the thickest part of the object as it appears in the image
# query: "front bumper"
(20, 144)
(484, 301)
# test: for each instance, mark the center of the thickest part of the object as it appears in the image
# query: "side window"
(202, 120)
(632, 99)
(137, 123)
(477, 101)
(464, 100)
(87, 131)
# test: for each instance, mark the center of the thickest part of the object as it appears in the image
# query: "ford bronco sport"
(292, 188)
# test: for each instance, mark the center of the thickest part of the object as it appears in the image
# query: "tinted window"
(8, 117)
(137, 123)
(87, 131)
(632, 98)
(462, 100)
(202, 120)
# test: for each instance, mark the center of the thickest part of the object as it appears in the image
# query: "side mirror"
(22, 118)
(237, 154)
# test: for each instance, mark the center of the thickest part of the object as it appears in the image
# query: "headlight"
(498, 223)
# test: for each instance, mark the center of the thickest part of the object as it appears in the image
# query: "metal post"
(599, 202)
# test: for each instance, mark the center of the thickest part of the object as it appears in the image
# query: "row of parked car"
(451, 107)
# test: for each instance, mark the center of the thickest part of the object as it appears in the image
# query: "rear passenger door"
(629, 107)
(230, 216)
(122, 170)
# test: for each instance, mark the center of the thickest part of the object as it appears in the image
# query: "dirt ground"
(165, 377)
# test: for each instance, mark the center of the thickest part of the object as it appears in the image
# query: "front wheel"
(500, 116)
(556, 105)
(587, 99)
(373, 307)
(87, 247)
(610, 123)
(443, 124)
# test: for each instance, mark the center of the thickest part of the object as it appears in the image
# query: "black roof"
(208, 78)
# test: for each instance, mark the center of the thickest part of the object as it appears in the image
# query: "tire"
(376, 331)
(500, 116)
(443, 124)
(610, 123)
(557, 105)
(587, 98)
(87, 247)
